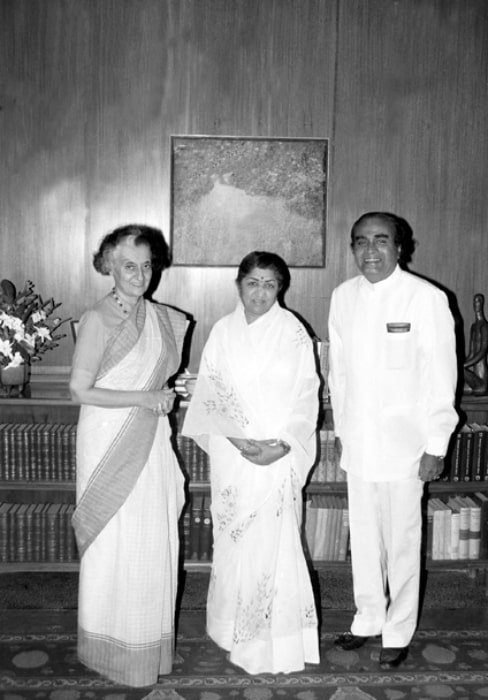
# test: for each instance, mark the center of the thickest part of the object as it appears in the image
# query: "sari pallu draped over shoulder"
(118, 470)
(245, 388)
(258, 381)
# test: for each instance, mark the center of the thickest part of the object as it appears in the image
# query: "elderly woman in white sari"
(129, 486)
(254, 410)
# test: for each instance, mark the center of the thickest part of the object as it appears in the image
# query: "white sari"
(129, 497)
(258, 381)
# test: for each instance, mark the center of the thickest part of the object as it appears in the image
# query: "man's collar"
(378, 287)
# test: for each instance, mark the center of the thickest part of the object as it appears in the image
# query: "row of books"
(196, 529)
(196, 462)
(457, 528)
(467, 461)
(37, 532)
(44, 451)
(327, 467)
(469, 458)
(327, 527)
(37, 451)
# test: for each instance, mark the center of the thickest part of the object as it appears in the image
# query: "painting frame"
(233, 194)
(74, 329)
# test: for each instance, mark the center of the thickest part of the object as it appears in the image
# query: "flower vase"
(14, 381)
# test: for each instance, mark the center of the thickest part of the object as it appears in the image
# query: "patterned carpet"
(38, 662)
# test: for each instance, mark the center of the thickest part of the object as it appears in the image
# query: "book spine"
(464, 532)
(454, 535)
(18, 449)
(62, 524)
(200, 467)
(3, 455)
(54, 471)
(53, 531)
(195, 523)
(9, 458)
(36, 452)
(71, 548)
(206, 539)
(45, 456)
(474, 533)
(20, 534)
(185, 524)
(344, 533)
(483, 499)
(29, 540)
(467, 461)
(4, 531)
(429, 533)
(11, 527)
(455, 466)
(72, 452)
(479, 443)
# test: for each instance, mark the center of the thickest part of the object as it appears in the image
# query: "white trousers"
(385, 525)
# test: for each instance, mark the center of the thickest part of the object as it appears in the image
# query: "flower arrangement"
(26, 329)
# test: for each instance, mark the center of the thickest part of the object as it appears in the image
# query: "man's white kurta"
(392, 392)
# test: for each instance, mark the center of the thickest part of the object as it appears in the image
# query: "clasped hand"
(162, 401)
(261, 452)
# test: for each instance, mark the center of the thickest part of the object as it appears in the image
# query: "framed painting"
(231, 195)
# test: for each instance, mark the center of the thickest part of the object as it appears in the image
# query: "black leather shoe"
(349, 641)
(392, 657)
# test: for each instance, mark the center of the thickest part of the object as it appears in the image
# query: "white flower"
(26, 329)
(13, 323)
(30, 340)
(39, 316)
(16, 361)
(44, 333)
(6, 348)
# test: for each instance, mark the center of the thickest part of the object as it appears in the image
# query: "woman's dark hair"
(265, 260)
(153, 237)
(401, 229)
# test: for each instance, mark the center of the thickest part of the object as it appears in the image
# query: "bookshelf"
(37, 484)
(58, 417)
(472, 410)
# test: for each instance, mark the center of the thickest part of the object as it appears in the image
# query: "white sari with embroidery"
(258, 381)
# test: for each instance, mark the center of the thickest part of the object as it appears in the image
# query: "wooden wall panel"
(410, 135)
(91, 92)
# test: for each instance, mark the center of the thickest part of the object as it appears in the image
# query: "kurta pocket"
(399, 346)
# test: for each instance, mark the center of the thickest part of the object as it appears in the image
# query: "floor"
(32, 621)
(38, 662)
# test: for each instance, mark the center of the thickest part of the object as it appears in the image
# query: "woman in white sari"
(129, 486)
(254, 410)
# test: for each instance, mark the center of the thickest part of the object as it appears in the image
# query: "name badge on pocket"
(400, 327)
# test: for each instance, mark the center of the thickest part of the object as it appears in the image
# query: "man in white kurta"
(392, 382)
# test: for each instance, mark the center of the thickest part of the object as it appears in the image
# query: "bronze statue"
(475, 365)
